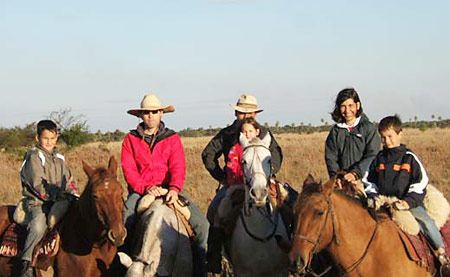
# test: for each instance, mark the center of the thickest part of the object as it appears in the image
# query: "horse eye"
(319, 213)
(95, 196)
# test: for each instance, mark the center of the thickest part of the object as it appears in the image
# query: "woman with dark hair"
(353, 141)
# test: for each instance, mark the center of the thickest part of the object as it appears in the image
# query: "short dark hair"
(46, 125)
(343, 95)
(392, 121)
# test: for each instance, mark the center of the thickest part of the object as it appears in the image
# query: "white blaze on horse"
(162, 246)
(253, 248)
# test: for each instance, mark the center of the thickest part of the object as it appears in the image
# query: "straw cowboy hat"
(247, 103)
(151, 103)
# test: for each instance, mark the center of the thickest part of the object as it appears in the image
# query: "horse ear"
(266, 140)
(89, 170)
(328, 187)
(309, 180)
(243, 141)
(112, 166)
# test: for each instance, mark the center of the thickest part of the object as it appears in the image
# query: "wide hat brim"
(246, 109)
(138, 112)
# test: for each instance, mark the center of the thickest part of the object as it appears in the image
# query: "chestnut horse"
(93, 228)
(359, 244)
(90, 231)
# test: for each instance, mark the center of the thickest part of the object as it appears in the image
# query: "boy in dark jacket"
(46, 178)
(396, 171)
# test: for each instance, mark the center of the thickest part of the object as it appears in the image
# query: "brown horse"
(93, 228)
(90, 231)
(359, 244)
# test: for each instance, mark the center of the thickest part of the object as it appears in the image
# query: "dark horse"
(359, 244)
(92, 228)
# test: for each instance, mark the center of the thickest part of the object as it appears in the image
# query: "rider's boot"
(27, 269)
(445, 265)
(214, 254)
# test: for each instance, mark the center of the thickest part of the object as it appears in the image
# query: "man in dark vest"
(246, 106)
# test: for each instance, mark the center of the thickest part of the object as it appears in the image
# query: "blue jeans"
(36, 230)
(428, 226)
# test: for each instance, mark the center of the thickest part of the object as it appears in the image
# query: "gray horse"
(162, 246)
(253, 248)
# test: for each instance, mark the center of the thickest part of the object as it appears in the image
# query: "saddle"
(180, 208)
(13, 240)
(415, 243)
(230, 207)
(420, 251)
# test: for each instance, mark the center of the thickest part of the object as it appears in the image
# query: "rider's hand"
(350, 177)
(401, 205)
(155, 191)
(171, 197)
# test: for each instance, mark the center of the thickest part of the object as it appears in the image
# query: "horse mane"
(312, 188)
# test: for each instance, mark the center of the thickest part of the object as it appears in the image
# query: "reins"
(255, 237)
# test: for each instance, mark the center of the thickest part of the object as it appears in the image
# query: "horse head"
(102, 202)
(256, 164)
(315, 221)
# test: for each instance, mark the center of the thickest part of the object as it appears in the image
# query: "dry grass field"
(303, 154)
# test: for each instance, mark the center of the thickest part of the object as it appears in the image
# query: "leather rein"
(316, 243)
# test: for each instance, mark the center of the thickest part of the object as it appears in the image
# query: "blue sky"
(100, 57)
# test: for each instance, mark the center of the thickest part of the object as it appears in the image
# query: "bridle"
(104, 222)
(247, 185)
(316, 243)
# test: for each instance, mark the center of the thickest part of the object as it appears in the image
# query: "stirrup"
(444, 260)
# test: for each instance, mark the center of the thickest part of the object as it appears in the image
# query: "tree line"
(74, 131)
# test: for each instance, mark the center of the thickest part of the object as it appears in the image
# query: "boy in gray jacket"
(45, 178)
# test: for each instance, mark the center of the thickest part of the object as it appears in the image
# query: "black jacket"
(221, 145)
(397, 172)
(352, 150)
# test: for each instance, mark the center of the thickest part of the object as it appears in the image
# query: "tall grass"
(303, 155)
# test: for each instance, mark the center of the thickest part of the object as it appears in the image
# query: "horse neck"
(354, 229)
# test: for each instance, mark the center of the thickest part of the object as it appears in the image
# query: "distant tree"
(433, 116)
(73, 128)
(439, 118)
(415, 118)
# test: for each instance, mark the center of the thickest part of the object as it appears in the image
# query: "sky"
(100, 58)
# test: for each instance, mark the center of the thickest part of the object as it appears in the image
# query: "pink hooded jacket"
(144, 168)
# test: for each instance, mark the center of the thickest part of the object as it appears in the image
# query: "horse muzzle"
(117, 239)
(259, 196)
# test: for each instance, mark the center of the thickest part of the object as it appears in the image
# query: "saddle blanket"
(13, 241)
(419, 250)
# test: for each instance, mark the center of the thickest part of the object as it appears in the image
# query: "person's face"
(349, 109)
(241, 116)
(249, 131)
(390, 138)
(152, 118)
(47, 140)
